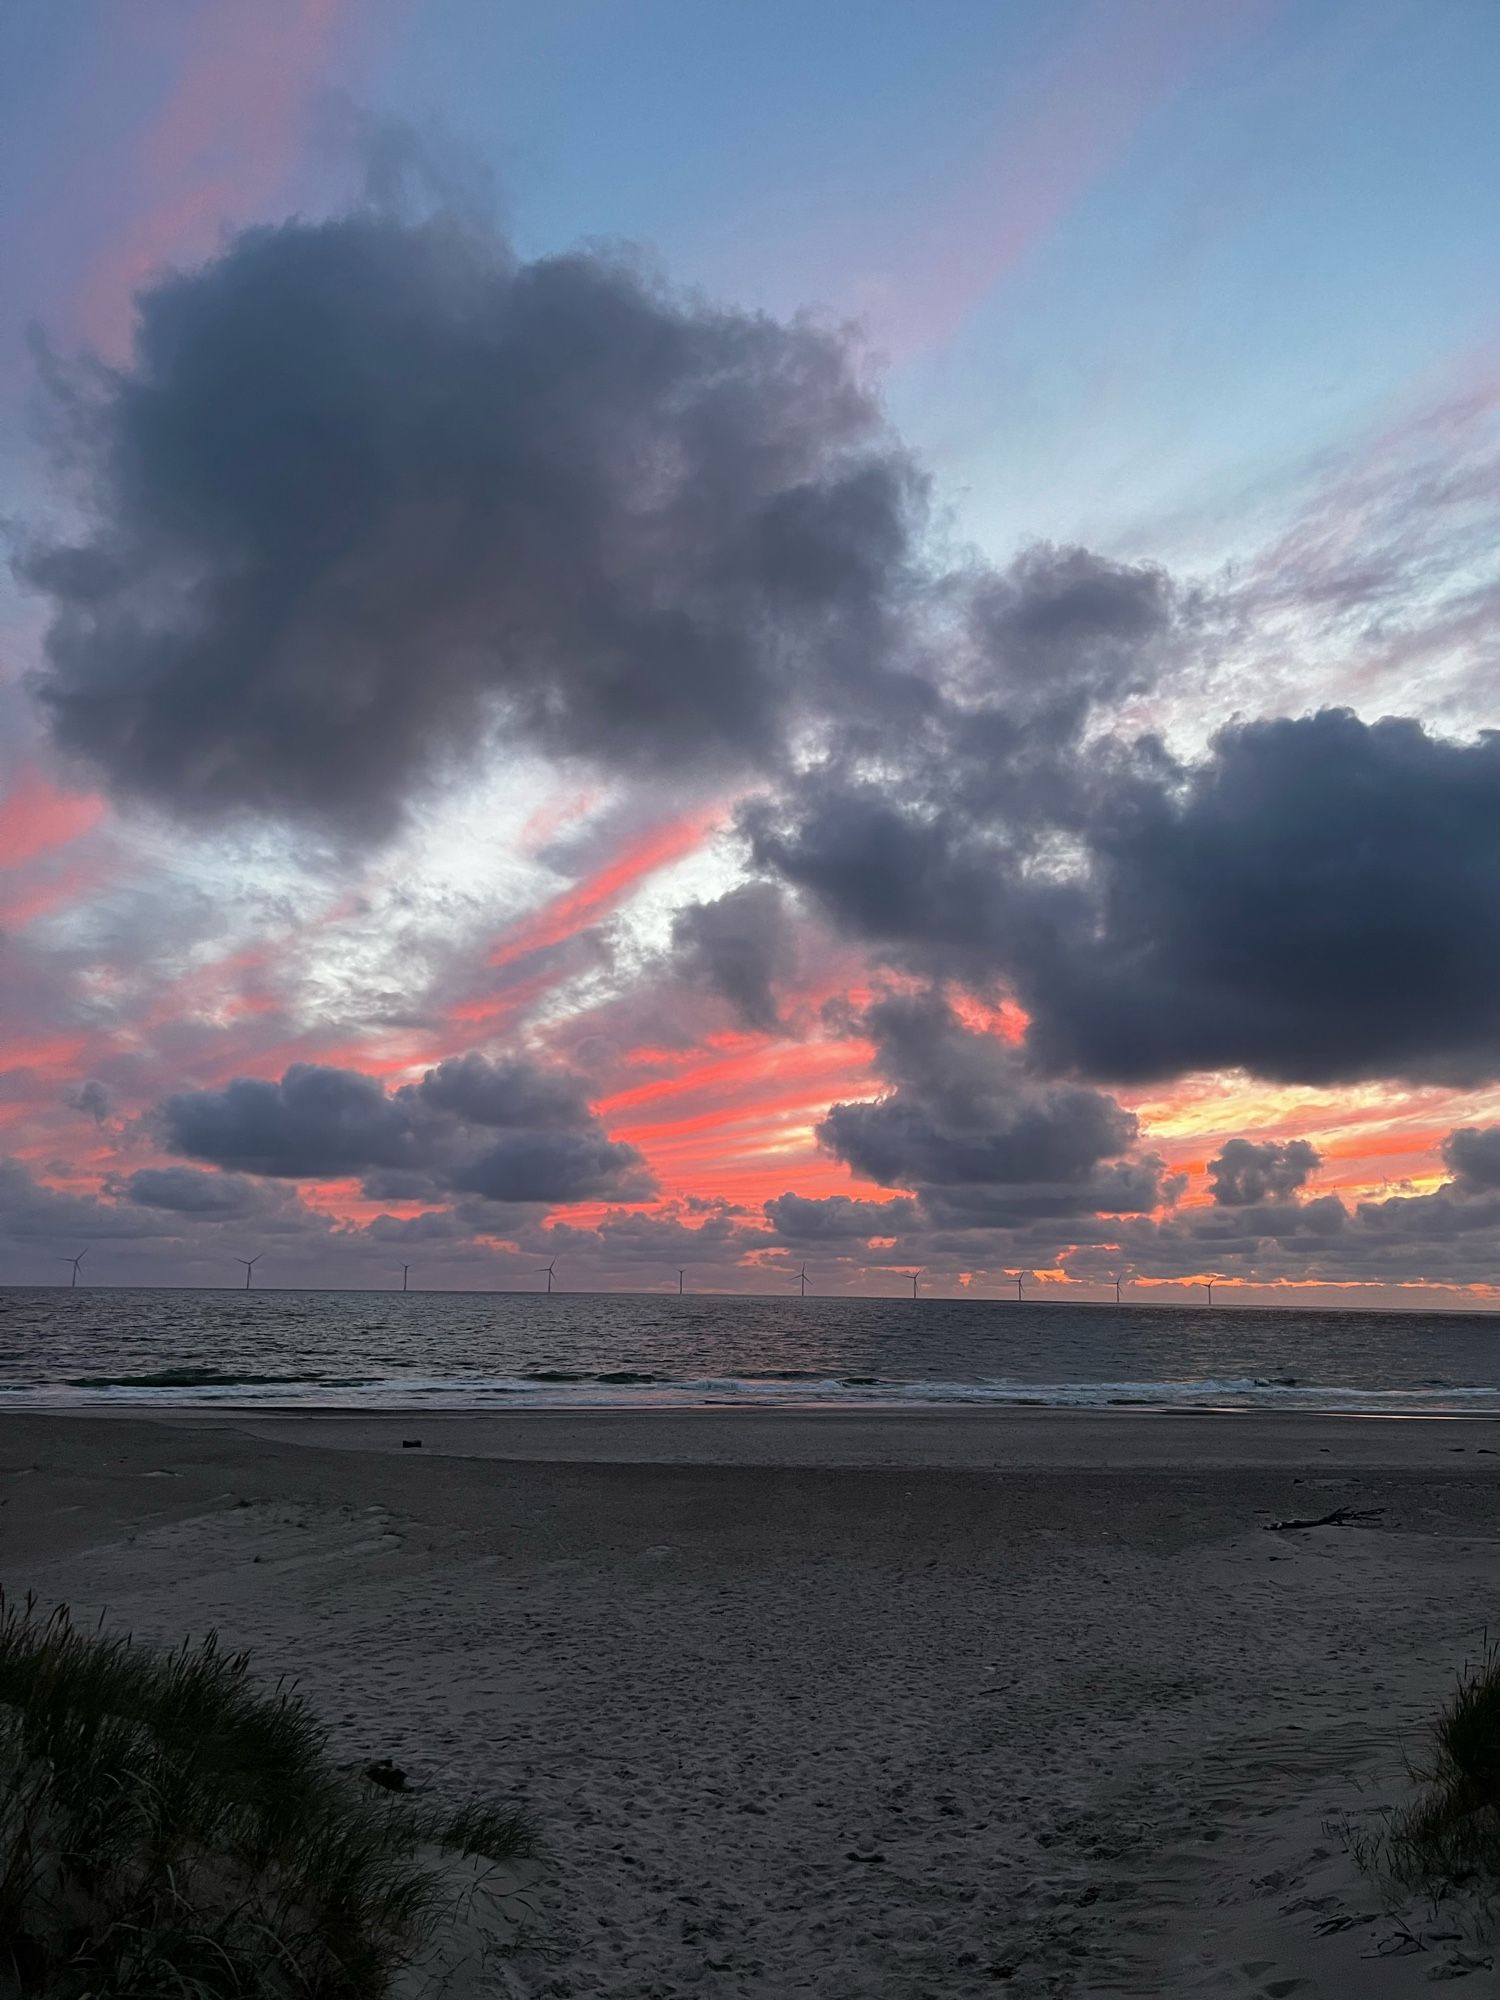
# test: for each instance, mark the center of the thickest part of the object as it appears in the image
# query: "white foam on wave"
(499, 1393)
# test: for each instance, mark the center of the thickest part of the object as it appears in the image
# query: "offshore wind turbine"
(1018, 1288)
(75, 1262)
(250, 1264)
(682, 1273)
(549, 1272)
(914, 1277)
(802, 1280)
(1118, 1282)
(1209, 1285)
(405, 1270)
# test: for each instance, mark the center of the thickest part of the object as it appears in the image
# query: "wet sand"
(844, 1703)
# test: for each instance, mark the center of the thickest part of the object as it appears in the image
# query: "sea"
(77, 1348)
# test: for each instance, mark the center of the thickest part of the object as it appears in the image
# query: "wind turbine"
(1209, 1283)
(1118, 1282)
(250, 1264)
(75, 1262)
(680, 1276)
(914, 1277)
(549, 1272)
(1018, 1288)
(405, 1270)
(802, 1280)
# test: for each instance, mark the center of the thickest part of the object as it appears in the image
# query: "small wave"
(195, 1378)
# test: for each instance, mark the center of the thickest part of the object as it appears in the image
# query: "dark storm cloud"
(423, 1141)
(371, 492)
(740, 946)
(1472, 1153)
(1247, 1172)
(1316, 900)
(837, 1218)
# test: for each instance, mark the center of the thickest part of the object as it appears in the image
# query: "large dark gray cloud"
(371, 491)
(1246, 1171)
(1315, 900)
(428, 1140)
(317, 1123)
(1318, 901)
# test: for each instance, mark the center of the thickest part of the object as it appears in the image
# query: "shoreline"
(946, 1436)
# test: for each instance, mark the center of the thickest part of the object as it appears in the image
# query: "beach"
(858, 1704)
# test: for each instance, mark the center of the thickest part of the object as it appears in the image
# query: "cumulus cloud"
(981, 1141)
(740, 946)
(837, 1218)
(1472, 1153)
(91, 1097)
(962, 1110)
(374, 491)
(423, 1140)
(188, 1191)
(1246, 1172)
(317, 1123)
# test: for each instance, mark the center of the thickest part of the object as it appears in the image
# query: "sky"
(840, 637)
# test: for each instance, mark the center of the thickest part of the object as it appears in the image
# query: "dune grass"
(168, 1827)
(1451, 1834)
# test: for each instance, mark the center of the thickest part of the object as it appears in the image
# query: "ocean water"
(510, 1350)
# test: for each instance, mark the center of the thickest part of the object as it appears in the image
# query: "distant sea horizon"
(89, 1346)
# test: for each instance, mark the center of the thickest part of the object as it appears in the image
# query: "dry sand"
(872, 1707)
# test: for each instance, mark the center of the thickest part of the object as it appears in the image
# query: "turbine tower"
(802, 1280)
(549, 1272)
(250, 1264)
(1209, 1285)
(1118, 1282)
(680, 1276)
(914, 1277)
(405, 1273)
(1018, 1287)
(75, 1262)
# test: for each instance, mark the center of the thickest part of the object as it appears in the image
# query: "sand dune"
(1015, 1702)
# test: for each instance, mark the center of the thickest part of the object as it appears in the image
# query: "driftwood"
(1339, 1518)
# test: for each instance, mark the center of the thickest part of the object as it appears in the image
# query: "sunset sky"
(693, 635)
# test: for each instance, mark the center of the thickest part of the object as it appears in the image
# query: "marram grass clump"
(170, 1828)
(1448, 1839)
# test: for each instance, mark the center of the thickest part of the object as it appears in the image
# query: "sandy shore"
(867, 1706)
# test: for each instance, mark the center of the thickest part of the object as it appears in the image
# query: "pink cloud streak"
(1078, 114)
(219, 147)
